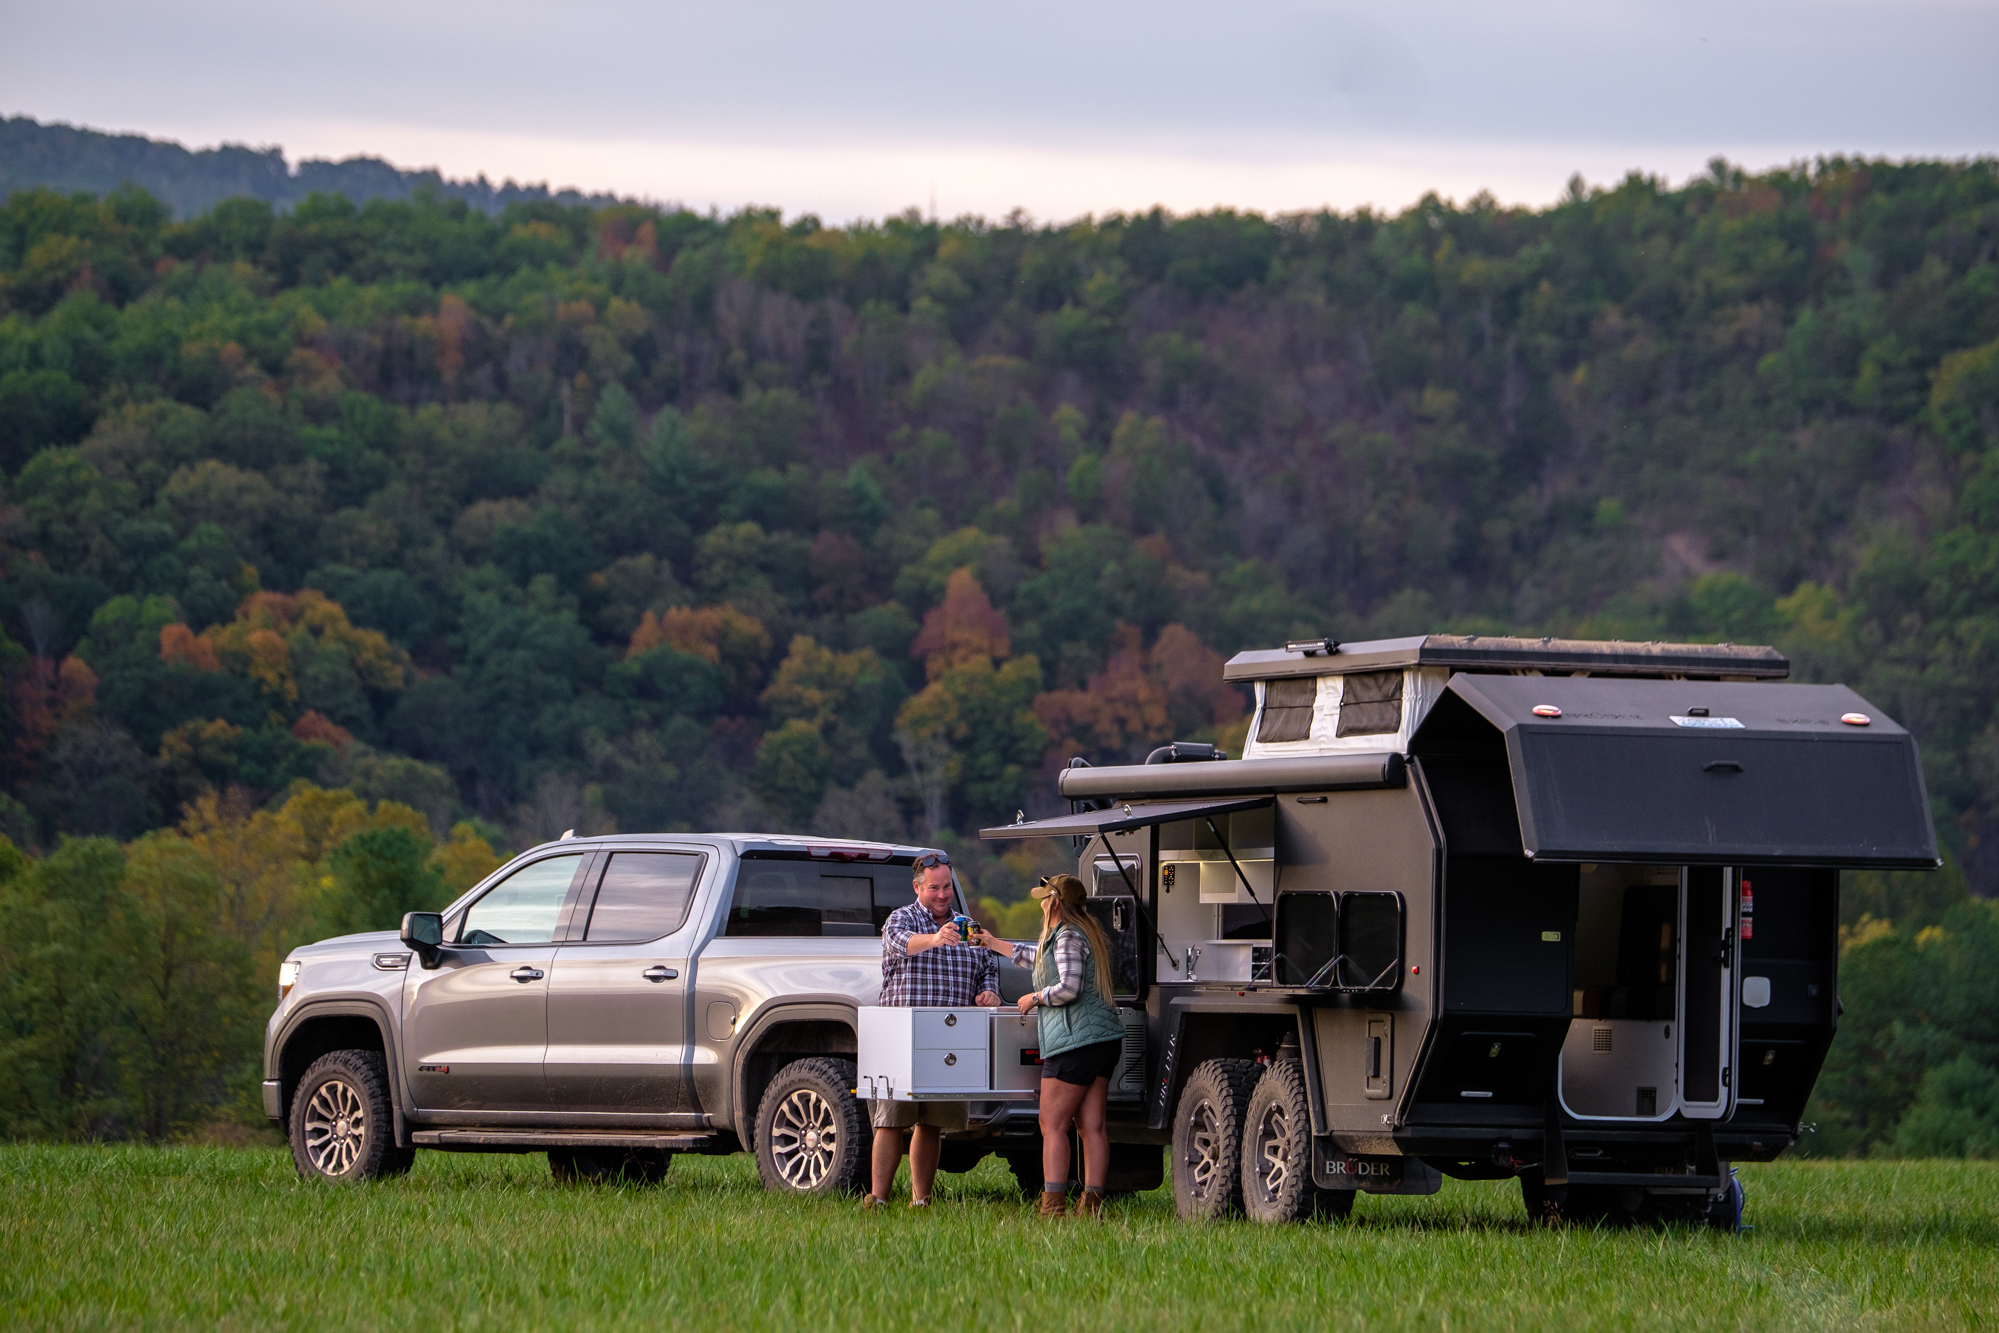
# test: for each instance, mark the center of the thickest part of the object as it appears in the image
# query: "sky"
(1058, 107)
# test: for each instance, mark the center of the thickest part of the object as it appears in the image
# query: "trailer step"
(560, 1138)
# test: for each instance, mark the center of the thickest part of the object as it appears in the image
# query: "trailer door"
(1709, 906)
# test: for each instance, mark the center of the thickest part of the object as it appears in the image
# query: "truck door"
(617, 999)
(1707, 1006)
(475, 1026)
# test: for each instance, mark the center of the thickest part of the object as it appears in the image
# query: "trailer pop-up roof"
(1549, 908)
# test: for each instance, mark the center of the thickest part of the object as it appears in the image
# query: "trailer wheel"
(1207, 1139)
(812, 1135)
(1277, 1153)
(609, 1166)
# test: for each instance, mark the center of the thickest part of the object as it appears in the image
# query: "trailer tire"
(813, 1135)
(1207, 1139)
(1277, 1152)
(609, 1166)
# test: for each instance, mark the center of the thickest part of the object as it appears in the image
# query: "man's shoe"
(1053, 1204)
(1090, 1203)
(919, 1203)
(870, 1204)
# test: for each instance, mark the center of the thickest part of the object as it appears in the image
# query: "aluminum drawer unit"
(913, 1055)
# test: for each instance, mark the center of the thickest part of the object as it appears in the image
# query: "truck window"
(779, 898)
(644, 896)
(523, 908)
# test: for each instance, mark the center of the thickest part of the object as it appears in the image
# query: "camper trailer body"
(1484, 908)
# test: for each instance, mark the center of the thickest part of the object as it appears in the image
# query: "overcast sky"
(1061, 107)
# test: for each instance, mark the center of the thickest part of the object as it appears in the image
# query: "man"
(925, 961)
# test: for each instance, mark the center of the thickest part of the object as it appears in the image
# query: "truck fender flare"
(846, 1013)
(352, 1007)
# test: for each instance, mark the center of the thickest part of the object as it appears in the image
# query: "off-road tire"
(813, 1135)
(1547, 1205)
(342, 1125)
(609, 1166)
(1207, 1139)
(1277, 1153)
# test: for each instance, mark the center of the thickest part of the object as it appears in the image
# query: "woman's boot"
(1053, 1203)
(1090, 1203)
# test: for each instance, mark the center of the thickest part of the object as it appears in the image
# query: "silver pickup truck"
(612, 1002)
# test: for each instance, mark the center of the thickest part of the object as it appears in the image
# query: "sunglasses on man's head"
(929, 859)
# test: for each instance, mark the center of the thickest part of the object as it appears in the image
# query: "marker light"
(287, 976)
(1546, 710)
(1855, 719)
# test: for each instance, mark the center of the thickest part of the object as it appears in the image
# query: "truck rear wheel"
(1207, 1139)
(609, 1166)
(1277, 1153)
(812, 1134)
(342, 1124)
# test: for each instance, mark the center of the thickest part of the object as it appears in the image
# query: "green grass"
(230, 1238)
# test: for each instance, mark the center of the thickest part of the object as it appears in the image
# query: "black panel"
(1507, 1065)
(1474, 801)
(1307, 937)
(1498, 917)
(1707, 917)
(1697, 772)
(1371, 940)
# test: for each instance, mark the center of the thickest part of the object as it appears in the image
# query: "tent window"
(1371, 704)
(1287, 710)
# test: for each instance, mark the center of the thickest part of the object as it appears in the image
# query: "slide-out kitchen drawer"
(963, 1068)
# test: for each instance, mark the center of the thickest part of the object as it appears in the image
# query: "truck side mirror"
(423, 933)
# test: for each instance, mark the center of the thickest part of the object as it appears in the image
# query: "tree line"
(629, 517)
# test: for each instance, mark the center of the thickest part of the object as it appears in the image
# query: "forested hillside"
(648, 520)
(67, 158)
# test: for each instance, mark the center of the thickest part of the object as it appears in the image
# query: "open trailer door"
(1662, 793)
(1709, 998)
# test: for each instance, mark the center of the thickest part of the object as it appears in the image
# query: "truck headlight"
(287, 976)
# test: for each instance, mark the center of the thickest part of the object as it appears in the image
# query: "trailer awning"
(1685, 772)
(1124, 816)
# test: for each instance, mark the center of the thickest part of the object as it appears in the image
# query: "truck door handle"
(659, 974)
(525, 974)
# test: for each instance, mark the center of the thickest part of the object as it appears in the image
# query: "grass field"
(230, 1238)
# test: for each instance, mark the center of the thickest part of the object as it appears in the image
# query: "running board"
(560, 1138)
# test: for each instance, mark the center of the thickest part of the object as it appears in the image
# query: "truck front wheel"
(812, 1135)
(1277, 1153)
(342, 1125)
(1207, 1139)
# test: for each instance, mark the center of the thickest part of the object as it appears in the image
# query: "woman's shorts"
(1085, 1064)
(947, 1116)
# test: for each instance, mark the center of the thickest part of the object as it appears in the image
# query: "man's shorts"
(947, 1116)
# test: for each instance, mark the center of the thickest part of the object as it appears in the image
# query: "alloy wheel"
(1273, 1152)
(1204, 1150)
(804, 1139)
(336, 1127)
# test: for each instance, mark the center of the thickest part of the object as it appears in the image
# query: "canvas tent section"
(1674, 772)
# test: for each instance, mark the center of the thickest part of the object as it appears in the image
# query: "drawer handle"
(951, 1059)
(950, 1020)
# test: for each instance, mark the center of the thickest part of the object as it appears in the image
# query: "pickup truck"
(612, 1002)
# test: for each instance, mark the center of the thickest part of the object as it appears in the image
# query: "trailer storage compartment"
(931, 1054)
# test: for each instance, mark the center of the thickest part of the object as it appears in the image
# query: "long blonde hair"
(1082, 920)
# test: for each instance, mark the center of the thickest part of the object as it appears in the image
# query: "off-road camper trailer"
(1487, 907)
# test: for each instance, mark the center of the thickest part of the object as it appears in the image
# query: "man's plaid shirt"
(951, 974)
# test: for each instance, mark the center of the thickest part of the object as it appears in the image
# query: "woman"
(1081, 1038)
